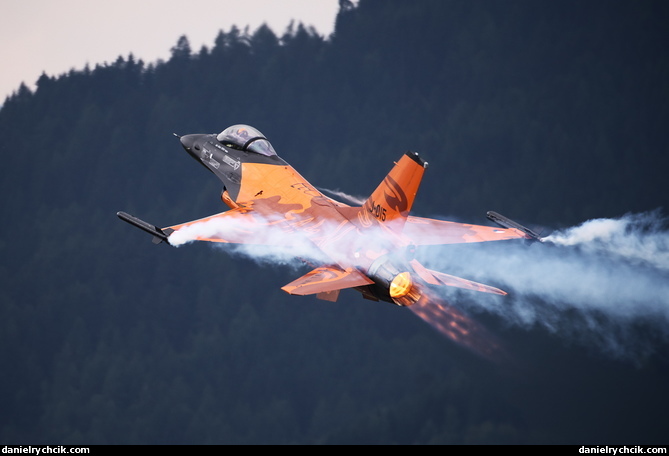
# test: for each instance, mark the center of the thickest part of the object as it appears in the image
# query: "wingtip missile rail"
(159, 235)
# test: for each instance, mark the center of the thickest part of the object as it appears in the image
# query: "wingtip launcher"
(159, 235)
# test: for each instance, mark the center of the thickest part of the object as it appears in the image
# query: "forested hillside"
(551, 112)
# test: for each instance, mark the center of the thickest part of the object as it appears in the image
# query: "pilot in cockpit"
(243, 134)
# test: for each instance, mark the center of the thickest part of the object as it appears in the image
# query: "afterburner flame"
(401, 285)
(458, 327)
(403, 291)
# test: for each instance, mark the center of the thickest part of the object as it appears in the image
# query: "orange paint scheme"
(368, 247)
(275, 205)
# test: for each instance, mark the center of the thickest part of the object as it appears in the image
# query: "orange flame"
(458, 327)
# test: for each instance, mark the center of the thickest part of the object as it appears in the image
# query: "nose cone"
(188, 142)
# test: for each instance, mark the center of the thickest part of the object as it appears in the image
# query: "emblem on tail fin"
(397, 199)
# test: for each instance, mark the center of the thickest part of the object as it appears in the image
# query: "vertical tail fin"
(392, 200)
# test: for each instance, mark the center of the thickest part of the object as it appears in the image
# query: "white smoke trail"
(282, 240)
(597, 282)
(267, 241)
(349, 199)
(639, 238)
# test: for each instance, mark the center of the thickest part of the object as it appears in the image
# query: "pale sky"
(54, 36)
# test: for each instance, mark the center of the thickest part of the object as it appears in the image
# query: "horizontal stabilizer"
(158, 234)
(505, 222)
(439, 278)
(326, 279)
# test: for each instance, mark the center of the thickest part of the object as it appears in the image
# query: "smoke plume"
(604, 283)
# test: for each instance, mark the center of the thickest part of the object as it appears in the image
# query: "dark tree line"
(551, 112)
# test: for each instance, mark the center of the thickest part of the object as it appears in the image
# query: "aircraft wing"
(236, 226)
(425, 231)
(439, 278)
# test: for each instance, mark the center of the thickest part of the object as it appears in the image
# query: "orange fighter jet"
(368, 247)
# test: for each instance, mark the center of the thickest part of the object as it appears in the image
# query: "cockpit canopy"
(246, 138)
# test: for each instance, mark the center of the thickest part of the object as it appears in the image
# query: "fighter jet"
(368, 248)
